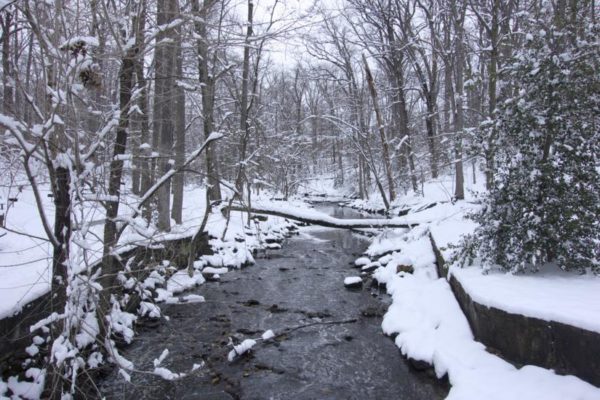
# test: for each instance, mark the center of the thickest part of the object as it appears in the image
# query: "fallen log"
(313, 217)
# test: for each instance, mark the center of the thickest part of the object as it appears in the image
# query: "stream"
(301, 286)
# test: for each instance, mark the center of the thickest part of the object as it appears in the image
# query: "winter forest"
(300, 199)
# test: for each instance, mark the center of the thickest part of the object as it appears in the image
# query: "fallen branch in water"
(247, 345)
(295, 328)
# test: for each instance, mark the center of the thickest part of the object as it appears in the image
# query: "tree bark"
(6, 23)
(458, 16)
(207, 89)
(140, 175)
(164, 96)
(179, 178)
(380, 126)
(244, 108)
(110, 263)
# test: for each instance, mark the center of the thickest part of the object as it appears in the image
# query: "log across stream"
(338, 353)
(329, 221)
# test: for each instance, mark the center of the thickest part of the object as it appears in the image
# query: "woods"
(114, 109)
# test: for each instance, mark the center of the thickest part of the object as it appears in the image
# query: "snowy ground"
(26, 277)
(424, 313)
(550, 294)
(431, 327)
(26, 261)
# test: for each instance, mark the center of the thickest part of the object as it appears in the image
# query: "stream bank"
(301, 285)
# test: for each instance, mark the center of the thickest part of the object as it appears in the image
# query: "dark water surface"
(300, 285)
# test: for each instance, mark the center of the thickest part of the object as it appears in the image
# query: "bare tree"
(208, 75)
(382, 136)
(165, 92)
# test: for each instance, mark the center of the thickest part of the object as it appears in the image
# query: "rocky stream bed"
(328, 343)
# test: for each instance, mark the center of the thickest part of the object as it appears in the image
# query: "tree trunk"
(492, 79)
(244, 108)
(110, 263)
(164, 96)
(140, 179)
(207, 89)
(7, 100)
(400, 107)
(340, 165)
(431, 133)
(384, 142)
(325, 220)
(179, 178)
(458, 17)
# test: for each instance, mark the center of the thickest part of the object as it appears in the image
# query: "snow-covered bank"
(25, 266)
(232, 240)
(431, 327)
(551, 295)
(26, 259)
(429, 323)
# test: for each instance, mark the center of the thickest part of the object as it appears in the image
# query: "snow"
(167, 374)
(306, 213)
(212, 270)
(122, 323)
(148, 309)
(163, 372)
(268, 334)
(352, 280)
(181, 281)
(32, 350)
(193, 298)
(240, 349)
(161, 358)
(549, 295)
(322, 188)
(361, 261)
(75, 40)
(424, 313)
(25, 389)
(431, 327)
(89, 330)
(25, 271)
(26, 262)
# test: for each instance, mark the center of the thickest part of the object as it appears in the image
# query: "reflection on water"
(346, 239)
(334, 210)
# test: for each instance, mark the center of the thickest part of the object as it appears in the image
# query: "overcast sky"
(296, 17)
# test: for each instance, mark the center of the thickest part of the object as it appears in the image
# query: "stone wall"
(525, 340)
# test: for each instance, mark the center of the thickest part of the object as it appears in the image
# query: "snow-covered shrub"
(544, 205)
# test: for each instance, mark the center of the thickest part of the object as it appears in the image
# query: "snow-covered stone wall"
(520, 339)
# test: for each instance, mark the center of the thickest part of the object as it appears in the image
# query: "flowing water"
(336, 349)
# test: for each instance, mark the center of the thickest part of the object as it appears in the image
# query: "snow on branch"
(150, 192)
(213, 137)
(317, 218)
